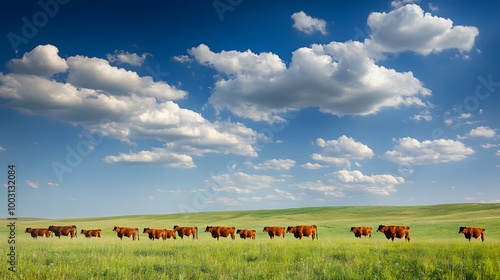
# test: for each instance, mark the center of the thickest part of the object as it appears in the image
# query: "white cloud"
(309, 165)
(307, 24)
(52, 184)
(483, 131)
(345, 182)
(340, 152)
(338, 78)
(182, 59)
(33, 185)
(156, 156)
(120, 104)
(399, 3)
(489, 146)
(424, 115)
(354, 180)
(408, 28)
(42, 61)
(128, 58)
(97, 74)
(274, 164)
(2, 149)
(433, 8)
(409, 151)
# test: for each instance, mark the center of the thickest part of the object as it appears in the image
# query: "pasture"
(436, 250)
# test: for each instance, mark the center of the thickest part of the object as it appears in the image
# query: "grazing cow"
(360, 231)
(275, 231)
(157, 233)
(395, 231)
(186, 231)
(35, 232)
(301, 230)
(63, 230)
(221, 231)
(475, 232)
(169, 233)
(154, 233)
(246, 233)
(89, 233)
(127, 232)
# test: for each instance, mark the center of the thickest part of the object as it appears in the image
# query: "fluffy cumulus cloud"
(339, 78)
(409, 151)
(41, 61)
(307, 24)
(119, 103)
(354, 180)
(483, 131)
(345, 182)
(340, 152)
(128, 58)
(409, 28)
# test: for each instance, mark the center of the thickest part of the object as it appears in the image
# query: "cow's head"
(83, 231)
(352, 229)
(115, 228)
(461, 230)
(176, 226)
(238, 231)
(266, 228)
(289, 229)
(50, 227)
(380, 228)
(208, 228)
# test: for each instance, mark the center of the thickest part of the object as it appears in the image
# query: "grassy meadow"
(436, 250)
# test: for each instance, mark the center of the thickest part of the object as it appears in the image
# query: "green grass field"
(436, 250)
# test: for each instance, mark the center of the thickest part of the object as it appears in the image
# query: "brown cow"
(221, 231)
(395, 231)
(35, 232)
(275, 231)
(89, 233)
(169, 233)
(475, 232)
(127, 232)
(301, 230)
(360, 231)
(186, 231)
(157, 233)
(246, 233)
(63, 230)
(154, 233)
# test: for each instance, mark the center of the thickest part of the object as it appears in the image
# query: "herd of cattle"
(299, 231)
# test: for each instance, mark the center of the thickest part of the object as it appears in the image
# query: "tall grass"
(437, 251)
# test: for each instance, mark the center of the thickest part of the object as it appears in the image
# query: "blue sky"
(116, 109)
